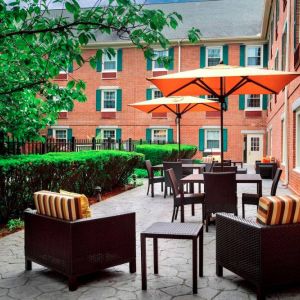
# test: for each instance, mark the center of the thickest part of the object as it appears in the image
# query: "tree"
(36, 43)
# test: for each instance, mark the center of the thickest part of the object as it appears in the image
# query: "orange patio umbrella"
(222, 81)
(178, 105)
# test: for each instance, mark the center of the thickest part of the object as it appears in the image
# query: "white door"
(254, 147)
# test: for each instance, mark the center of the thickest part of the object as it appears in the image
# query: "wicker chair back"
(275, 182)
(218, 169)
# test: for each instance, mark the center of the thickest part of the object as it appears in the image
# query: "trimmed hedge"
(21, 176)
(159, 153)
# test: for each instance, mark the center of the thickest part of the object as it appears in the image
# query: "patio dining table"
(199, 167)
(240, 178)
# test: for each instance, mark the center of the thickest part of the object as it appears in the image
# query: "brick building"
(281, 27)
(232, 35)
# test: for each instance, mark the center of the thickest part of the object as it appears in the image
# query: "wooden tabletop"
(186, 166)
(240, 178)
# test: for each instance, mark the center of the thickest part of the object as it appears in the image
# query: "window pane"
(157, 94)
(158, 54)
(109, 134)
(213, 139)
(254, 56)
(255, 144)
(213, 56)
(109, 99)
(61, 135)
(109, 63)
(159, 135)
(253, 101)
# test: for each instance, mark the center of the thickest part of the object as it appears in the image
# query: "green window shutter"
(201, 139)
(69, 134)
(202, 56)
(119, 100)
(148, 134)
(98, 100)
(170, 135)
(242, 55)
(225, 54)
(226, 104)
(99, 64)
(119, 59)
(241, 102)
(171, 56)
(118, 133)
(70, 67)
(265, 102)
(149, 64)
(98, 131)
(50, 132)
(266, 55)
(148, 94)
(225, 139)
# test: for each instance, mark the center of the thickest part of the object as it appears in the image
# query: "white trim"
(154, 61)
(59, 127)
(261, 56)
(297, 133)
(110, 70)
(253, 131)
(112, 87)
(108, 127)
(155, 90)
(253, 108)
(152, 133)
(297, 170)
(213, 47)
(211, 127)
(282, 116)
(159, 127)
(205, 140)
(276, 57)
(102, 100)
(270, 127)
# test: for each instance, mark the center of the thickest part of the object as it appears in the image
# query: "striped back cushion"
(207, 159)
(57, 205)
(279, 210)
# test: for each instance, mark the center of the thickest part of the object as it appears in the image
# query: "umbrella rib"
(170, 109)
(180, 88)
(261, 85)
(188, 107)
(207, 88)
(153, 109)
(237, 86)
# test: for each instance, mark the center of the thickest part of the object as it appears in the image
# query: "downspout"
(178, 70)
(286, 99)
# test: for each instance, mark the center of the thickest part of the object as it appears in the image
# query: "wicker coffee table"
(186, 231)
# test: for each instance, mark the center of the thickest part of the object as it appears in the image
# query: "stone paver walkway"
(174, 280)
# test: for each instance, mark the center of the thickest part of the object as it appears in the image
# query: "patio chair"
(218, 169)
(177, 167)
(179, 197)
(80, 247)
(253, 199)
(226, 163)
(220, 194)
(209, 167)
(153, 179)
(187, 161)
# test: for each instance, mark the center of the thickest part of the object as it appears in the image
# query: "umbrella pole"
(178, 117)
(222, 100)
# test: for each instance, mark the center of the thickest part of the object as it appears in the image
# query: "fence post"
(120, 144)
(141, 141)
(73, 144)
(43, 148)
(2, 148)
(130, 144)
(109, 143)
(93, 143)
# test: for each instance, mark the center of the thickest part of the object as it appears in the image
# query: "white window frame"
(213, 47)
(284, 31)
(60, 129)
(205, 140)
(276, 57)
(261, 56)
(154, 61)
(102, 100)
(253, 108)
(114, 58)
(297, 167)
(153, 92)
(109, 129)
(152, 133)
(283, 142)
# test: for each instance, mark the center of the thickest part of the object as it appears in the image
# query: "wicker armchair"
(220, 194)
(181, 198)
(81, 247)
(265, 255)
(219, 169)
(153, 179)
(253, 199)
(266, 170)
(177, 167)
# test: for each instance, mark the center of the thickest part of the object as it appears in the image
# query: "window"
(254, 144)
(60, 135)
(253, 102)
(298, 139)
(212, 139)
(158, 54)
(254, 56)
(276, 61)
(109, 63)
(270, 143)
(271, 36)
(283, 50)
(214, 56)
(213, 98)
(156, 94)
(283, 142)
(109, 100)
(109, 133)
(159, 135)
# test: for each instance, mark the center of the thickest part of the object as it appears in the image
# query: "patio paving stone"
(175, 257)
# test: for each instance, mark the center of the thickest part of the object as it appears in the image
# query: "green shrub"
(142, 173)
(14, 224)
(21, 176)
(159, 153)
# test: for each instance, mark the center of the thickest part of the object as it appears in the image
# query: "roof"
(215, 18)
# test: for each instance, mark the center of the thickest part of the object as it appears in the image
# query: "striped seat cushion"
(57, 205)
(279, 210)
(207, 159)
